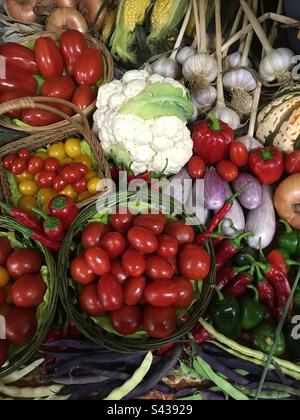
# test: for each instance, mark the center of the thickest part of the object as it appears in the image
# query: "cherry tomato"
(162, 293)
(114, 244)
(3, 352)
(167, 246)
(8, 161)
(85, 160)
(4, 277)
(48, 58)
(134, 264)
(93, 234)
(80, 271)
(126, 320)
(80, 167)
(71, 174)
(73, 148)
(238, 153)
(24, 261)
(194, 262)
(143, 240)
(24, 154)
(52, 164)
(159, 322)
(59, 183)
(57, 151)
(90, 174)
(153, 222)
(292, 162)
(89, 301)
(80, 186)
(121, 222)
(58, 87)
(134, 290)
(41, 154)
(197, 167)
(117, 270)
(94, 185)
(173, 262)
(46, 179)
(184, 234)
(88, 68)
(158, 268)
(5, 250)
(28, 291)
(70, 192)
(84, 96)
(44, 196)
(186, 293)
(28, 188)
(3, 296)
(21, 326)
(35, 165)
(25, 176)
(72, 44)
(110, 293)
(97, 260)
(18, 166)
(227, 170)
(26, 204)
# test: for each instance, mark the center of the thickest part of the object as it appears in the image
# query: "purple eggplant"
(214, 190)
(252, 197)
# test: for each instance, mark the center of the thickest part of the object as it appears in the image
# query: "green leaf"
(40, 81)
(104, 323)
(87, 150)
(13, 187)
(15, 243)
(41, 310)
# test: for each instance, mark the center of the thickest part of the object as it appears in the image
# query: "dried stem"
(245, 23)
(262, 11)
(273, 33)
(221, 99)
(182, 31)
(202, 19)
(249, 38)
(234, 28)
(254, 111)
(198, 29)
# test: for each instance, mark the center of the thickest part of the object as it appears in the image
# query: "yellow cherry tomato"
(4, 277)
(28, 188)
(94, 185)
(84, 196)
(91, 174)
(73, 148)
(84, 159)
(70, 192)
(57, 151)
(66, 161)
(26, 204)
(24, 176)
(43, 155)
(44, 196)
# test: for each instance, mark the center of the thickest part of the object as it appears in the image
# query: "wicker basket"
(40, 140)
(109, 74)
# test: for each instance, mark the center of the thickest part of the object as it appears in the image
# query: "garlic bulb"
(200, 70)
(194, 117)
(276, 65)
(203, 99)
(184, 54)
(166, 67)
(227, 115)
(240, 82)
(234, 60)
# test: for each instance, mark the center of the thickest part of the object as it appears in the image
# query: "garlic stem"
(245, 23)
(249, 38)
(220, 97)
(197, 23)
(182, 30)
(254, 111)
(234, 28)
(273, 33)
(202, 20)
(262, 12)
(257, 28)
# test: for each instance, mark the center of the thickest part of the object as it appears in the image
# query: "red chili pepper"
(267, 164)
(201, 335)
(278, 258)
(22, 216)
(228, 249)
(163, 350)
(217, 241)
(268, 297)
(64, 208)
(225, 276)
(53, 226)
(43, 239)
(239, 285)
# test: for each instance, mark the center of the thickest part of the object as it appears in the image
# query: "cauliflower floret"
(135, 75)
(132, 129)
(156, 78)
(134, 87)
(117, 100)
(160, 144)
(174, 125)
(106, 91)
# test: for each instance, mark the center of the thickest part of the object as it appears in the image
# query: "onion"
(90, 9)
(45, 7)
(65, 18)
(21, 10)
(287, 200)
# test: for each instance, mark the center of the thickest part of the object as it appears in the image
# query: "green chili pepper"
(252, 311)
(225, 313)
(242, 258)
(290, 240)
(263, 339)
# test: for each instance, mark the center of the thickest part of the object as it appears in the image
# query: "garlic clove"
(227, 115)
(200, 70)
(204, 98)
(241, 78)
(166, 67)
(184, 54)
(234, 60)
(276, 64)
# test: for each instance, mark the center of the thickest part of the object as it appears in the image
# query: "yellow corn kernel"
(160, 13)
(109, 25)
(133, 13)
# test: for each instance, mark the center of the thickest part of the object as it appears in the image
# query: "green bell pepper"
(290, 240)
(241, 259)
(252, 311)
(292, 335)
(263, 338)
(225, 313)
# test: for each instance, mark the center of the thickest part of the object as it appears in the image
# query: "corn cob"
(131, 13)
(109, 25)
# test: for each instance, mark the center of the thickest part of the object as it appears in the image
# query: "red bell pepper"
(267, 164)
(64, 208)
(53, 226)
(212, 139)
(20, 56)
(17, 79)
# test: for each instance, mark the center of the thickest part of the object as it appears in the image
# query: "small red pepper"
(225, 276)
(278, 258)
(239, 285)
(228, 249)
(64, 208)
(22, 217)
(267, 295)
(201, 335)
(43, 239)
(53, 226)
(267, 164)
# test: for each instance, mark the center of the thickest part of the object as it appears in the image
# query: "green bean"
(30, 393)
(187, 370)
(54, 398)
(266, 395)
(121, 392)
(20, 374)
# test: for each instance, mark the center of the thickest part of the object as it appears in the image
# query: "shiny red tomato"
(28, 291)
(24, 154)
(59, 183)
(89, 301)
(153, 222)
(3, 296)
(93, 234)
(159, 322)
(186, 293)
(46, 179)
(158, 268)
(134, 290)
(71, 174)
(5, 250)
(35, 165)
(173, 261)
(194, 262)
(292, 162)
(84, 96)
(58, 87)
(121, 222)
(8, 161)
(80, 272)
(24, 261)
(18, 166)
(52, 164)
(142, 240)
(184, 234)
(227, 170)
(197, 167)
(134, 264)
(88, 68)
(72, 44)
(81, 185)
(114, 244)
(117, 270)
(38, 117)
(17, 80)
(81, 167)
(238, 153)
(167, 246)
(110, 293)
(48, 58)
(14, 94)
(162, 293)
(97, 260)
(3, 352)
(20, 56)
(21, 326)
(126, 320)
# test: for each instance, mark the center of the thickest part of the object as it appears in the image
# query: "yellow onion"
(64, 18)
(45, 7)
(21, 10)
(287, 200)
(90, 9)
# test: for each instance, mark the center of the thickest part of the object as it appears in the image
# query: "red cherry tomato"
(58, 87)
(227, 170)
(36, 117)
(24, 261)
(97, 260)
(110, 293)
(158, 268)
(8, 161)
(80, 272)
(142, 240)
(89, 301)
(20, 56)
(167, 246)
(117, 270)
(59, 183)
(81, 185)
(292, 162)
(126, 320)
(238, 153)
(153, 222)
(28, 291)
(159, 322)
(184, 234)
(46, 179)
(197, 167)
(18, 166)
(72, 44)
(93, 234)
(81, 167)
(5, 250)
(3, 296)
(162, 293)
(194, 262)
(3, 352)
(133, 263)
(48, 58)
(35, 165)
(84, 96)
(88, 68)
(52, 164)
(21, 326)
(121, 222)
(133, 290)
(24, 154)
(173, 262)
(186, 293)
(114, 244)
(71, 174)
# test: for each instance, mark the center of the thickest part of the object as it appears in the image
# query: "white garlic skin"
(234, 60)
(250, 142)
(241, 78)
(275, 63)
(184, 54)
(228, 116)
(166, 67)
(202, 66)
(204, 98)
